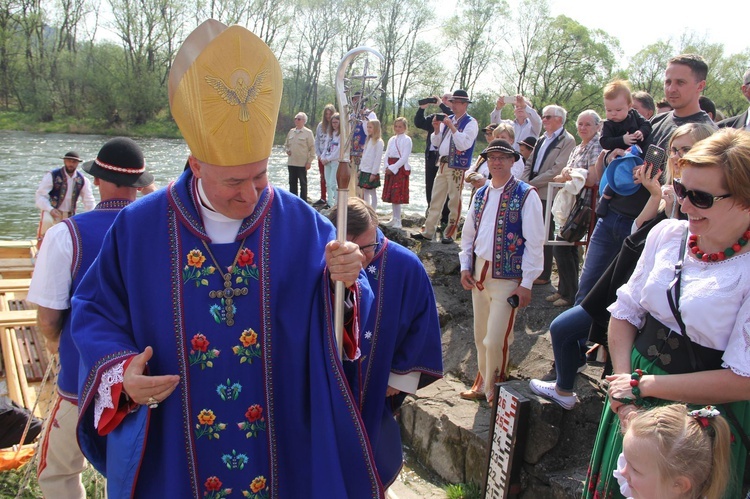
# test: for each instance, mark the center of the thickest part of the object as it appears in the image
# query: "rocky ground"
(449, 435)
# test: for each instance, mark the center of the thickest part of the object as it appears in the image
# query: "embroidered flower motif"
(245, 258)
(195, 259)
(372, 269)
(194, 270)
(213, 488)
(245, 268)
(207, 425)
(230, 391)
(200, 353)
(235, 461)
(368, 335)
(248, 349)
(199, 342)
(255, 421)
(219, 312)
(257, 488)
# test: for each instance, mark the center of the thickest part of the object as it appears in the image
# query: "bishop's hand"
(141, 387)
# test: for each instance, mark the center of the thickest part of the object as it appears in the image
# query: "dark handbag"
(578, 222)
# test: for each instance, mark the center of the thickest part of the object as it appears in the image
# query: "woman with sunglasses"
(685, 335)
(662, 202)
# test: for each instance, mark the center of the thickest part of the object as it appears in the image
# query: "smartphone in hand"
(513, 301)
(657, 158)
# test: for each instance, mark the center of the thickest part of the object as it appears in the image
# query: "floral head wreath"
(703, 415)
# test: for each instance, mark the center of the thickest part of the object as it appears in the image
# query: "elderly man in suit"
(741, 120)
(550, 156)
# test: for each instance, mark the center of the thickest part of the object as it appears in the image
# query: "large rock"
(450, 435)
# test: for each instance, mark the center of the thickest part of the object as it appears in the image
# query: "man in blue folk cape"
(401, 344)
(209, 365)
(119, 170)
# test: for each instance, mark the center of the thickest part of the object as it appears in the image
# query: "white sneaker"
(547, 390)
(396, 224)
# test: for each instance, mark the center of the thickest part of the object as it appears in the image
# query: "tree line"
(53, 64)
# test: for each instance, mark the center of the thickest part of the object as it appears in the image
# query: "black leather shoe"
(446, 240)
(420, 237)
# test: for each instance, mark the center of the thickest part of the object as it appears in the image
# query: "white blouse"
(399, 146)
(714, 297)
(372, 156)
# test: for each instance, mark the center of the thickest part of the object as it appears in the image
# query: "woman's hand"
(374, 177)
(642, 175)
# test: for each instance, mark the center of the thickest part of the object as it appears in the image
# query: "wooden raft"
(24, 356)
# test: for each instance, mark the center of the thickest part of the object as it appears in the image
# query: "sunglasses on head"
(699, 199)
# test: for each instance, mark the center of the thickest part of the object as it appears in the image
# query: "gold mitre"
(224, 92)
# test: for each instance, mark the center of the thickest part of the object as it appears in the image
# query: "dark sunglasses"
(699, 199)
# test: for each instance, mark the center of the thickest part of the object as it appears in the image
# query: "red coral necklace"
(228, 293)
(719, 255)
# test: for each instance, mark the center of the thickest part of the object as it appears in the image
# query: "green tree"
(468, 33)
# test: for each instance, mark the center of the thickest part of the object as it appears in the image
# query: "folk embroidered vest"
(60, 189)
(509, 242)
(460, 160)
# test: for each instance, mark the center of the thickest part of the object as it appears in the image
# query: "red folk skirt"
(396, 187)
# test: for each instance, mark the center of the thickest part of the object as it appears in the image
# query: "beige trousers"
(493, 326)
(447, 185)
(61, 461)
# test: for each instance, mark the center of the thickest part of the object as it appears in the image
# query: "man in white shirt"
(501, 255)
(527, 122)
(59, 191)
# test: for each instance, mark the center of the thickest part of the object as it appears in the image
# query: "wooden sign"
(508, 430)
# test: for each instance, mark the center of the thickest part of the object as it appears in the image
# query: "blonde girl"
(672, 453)
(330, 160)
(397, 170)
(369, 167)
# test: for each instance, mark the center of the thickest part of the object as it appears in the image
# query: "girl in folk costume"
(397, 171)
(330, 160)
(671, 453)
(369, 168)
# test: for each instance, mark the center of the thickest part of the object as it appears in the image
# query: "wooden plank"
(15, 318)
(14, 285)
(12, 263)
(16, 273)
(17, 249)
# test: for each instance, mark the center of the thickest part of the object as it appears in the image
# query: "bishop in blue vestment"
(208, 361)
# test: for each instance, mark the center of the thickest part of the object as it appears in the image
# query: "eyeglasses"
(699, 199)
(679, 152)
(548, 117)
(295, 119)
(374, 247)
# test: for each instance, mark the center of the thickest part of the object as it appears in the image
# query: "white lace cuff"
(624, 313)
(103, 399)
(735, 370)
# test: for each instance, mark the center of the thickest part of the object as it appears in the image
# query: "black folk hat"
(490, 128)
(121, 162)
(499, 145)
(72, 155)
(461, 96)
(529, 142)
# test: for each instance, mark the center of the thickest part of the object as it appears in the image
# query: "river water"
(26, 157)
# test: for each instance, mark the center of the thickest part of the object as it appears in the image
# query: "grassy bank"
(161, 127)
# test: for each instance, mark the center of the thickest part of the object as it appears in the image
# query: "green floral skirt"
(601, 484)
